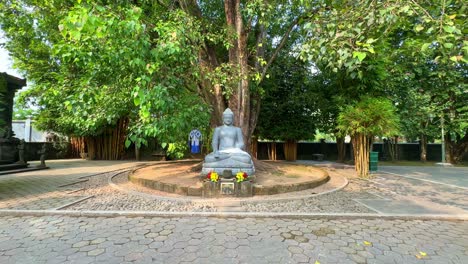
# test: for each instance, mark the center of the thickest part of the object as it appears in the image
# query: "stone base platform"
(178, 178)
(22, 169)
(13, 166)
(230, 165)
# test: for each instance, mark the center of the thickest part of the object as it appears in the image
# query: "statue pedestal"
(226, 188)
(232, 165)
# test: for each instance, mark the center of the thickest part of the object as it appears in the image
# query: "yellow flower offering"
(213, 176)
(241, 176)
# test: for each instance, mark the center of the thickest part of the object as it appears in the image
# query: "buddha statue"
(228, 153)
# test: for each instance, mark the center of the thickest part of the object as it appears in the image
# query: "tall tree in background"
(161, 62)
(214, 50)
(255, 32)
(289, 106)
(97, 67)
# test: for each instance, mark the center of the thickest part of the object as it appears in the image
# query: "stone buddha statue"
(228, 153)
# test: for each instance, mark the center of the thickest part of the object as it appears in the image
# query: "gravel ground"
(336, 202)
(107, 197)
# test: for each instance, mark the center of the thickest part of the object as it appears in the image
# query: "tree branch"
(279, 47)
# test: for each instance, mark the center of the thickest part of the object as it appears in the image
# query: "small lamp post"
(442, 121)
(443, 137)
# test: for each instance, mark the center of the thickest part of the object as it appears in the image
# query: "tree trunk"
(393, 148)
(244, 103)
(271, 149)
(455, 150)
(137, 153)
(361, 147)
(423, 148)
(340, 144)
(109, 145)
(290, 150)
(254, 148)
(239, 101)
(77, 145)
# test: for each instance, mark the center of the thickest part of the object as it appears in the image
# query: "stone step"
(8, 172)
(12, 166)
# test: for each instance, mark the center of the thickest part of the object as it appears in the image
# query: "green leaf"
(448, 45)
(360, 55)
(449, 29)
(425, 46)
(127, 143)
(136, 100)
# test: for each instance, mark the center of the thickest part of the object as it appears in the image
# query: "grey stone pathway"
(53, 188)
(457, 176)
(414, 196)
(198, 239)
(63, 239)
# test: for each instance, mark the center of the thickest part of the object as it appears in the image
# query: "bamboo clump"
(109, 145)
(361, 148)
(271, 148)
(290, 150)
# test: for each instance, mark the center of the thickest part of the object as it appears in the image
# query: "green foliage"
(430, 68)
(345, 35)
(288, 105)
(106, 63)
(176, 150)
(413, 52)
(369, 117)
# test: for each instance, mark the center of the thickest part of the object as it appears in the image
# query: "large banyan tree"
(158, 67)
(166, 66)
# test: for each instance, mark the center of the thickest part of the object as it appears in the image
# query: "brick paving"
(125, 239)
(64, 239)
(50, 189)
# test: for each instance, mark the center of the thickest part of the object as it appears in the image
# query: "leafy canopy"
(108, 62)
(369, 117)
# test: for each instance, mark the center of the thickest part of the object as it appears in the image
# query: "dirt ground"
(267, 173)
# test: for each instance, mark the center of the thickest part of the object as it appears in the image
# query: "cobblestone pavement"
(407, 195)
(61, 186)
(59, 239)
(68, 239)
(448, 175)
(53, 188)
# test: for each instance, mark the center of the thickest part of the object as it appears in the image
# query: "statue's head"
(228, 117)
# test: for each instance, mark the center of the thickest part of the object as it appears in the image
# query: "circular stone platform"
(271, 178)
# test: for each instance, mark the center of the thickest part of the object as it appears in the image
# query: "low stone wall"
(166, 187)
(53, 150)
(8, 151)
(284, 188)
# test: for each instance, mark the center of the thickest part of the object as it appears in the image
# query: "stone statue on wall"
(20, 148)
(228, 153)
(43, 155)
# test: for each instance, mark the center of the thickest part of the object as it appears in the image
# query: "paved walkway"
(52, 188)
(456, 176)
(311, 239)
(419, 190)
(56, 239)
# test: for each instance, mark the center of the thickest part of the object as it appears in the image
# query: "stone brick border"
(331, 216)
(257, 189)
(284, 188)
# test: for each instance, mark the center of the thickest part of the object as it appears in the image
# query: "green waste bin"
(373, 160)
